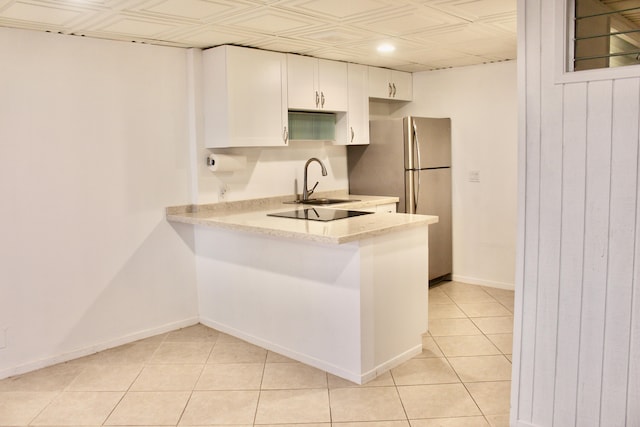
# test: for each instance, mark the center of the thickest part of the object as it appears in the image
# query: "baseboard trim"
(482, 282)
(86, 351)
(392, 363)
(312, 361)
(304, 358)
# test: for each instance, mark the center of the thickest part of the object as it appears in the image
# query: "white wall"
(93, 146)
(482, 103)
(577, 328)
(273, 172)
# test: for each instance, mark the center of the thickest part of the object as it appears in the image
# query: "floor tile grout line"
(147, 363)
(195, 384)
(466, 388)
(264, 368)
(329, 400)
(475, 324)
(144, 365)
(452, 369)
(395, 386)
(58, 393)
(447, 358)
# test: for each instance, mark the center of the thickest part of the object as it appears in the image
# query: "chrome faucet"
(306, 192)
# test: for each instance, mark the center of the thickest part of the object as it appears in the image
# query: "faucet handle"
(310, 192)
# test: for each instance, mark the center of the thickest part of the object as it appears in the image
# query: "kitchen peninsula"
(347, 296)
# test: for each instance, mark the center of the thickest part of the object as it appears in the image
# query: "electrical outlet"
(3, 338)
(474, 176)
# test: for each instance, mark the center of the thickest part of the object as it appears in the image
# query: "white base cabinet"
(387, 208)
(245, 97)
(383, 208)
(355, 310)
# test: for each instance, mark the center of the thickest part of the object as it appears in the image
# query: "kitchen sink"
(325, 201)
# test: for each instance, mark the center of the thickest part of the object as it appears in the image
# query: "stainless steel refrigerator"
(410, 158)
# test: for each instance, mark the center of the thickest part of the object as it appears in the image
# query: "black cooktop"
(319, 214)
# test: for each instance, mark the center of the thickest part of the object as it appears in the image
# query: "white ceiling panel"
(473, 9)
(271, 21)
(410, 21)
(496, 47)
(460, 61)
(431, 56)
(506, 23)
(44, 13)
(190, 9)
(336, 36)
(404, 48)
(339, 9)
(456, 34)
(427, 34)
(135, 27)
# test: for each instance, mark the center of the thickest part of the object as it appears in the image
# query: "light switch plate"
(474, 176)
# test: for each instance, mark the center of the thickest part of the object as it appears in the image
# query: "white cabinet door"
(332, 85)
(390, 84)
(358, 112)
(380, 83)
(245, 97)
(402, 84)
(301, 82)
(316, 85)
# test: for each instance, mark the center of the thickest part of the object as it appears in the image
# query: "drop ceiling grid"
(407, 22)
(341, 10)
(472, 10)
(473, 31)
(192, 10)
(45, 13)
(336, 35)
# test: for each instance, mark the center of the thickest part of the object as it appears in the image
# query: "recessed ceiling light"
(386, 48)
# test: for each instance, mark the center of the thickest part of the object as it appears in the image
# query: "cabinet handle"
(390, 90)
(352, 134)
(394, 90)
(317, 99)
(285, 135)
(322, 99)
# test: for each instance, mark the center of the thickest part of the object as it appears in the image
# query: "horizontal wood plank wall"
(577, 359)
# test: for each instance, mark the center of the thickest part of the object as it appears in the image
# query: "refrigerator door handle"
(416, 144)
(416, 192)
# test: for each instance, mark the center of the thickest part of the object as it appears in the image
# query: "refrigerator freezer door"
(434, 198)
(428, 142)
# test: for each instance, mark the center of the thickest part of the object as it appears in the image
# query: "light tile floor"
(199, 377)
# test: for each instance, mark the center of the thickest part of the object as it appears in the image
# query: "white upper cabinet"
(358, 113)
(316, 84)
(390, 84)
(245, 97)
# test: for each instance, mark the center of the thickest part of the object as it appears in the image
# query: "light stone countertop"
(251, 216)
